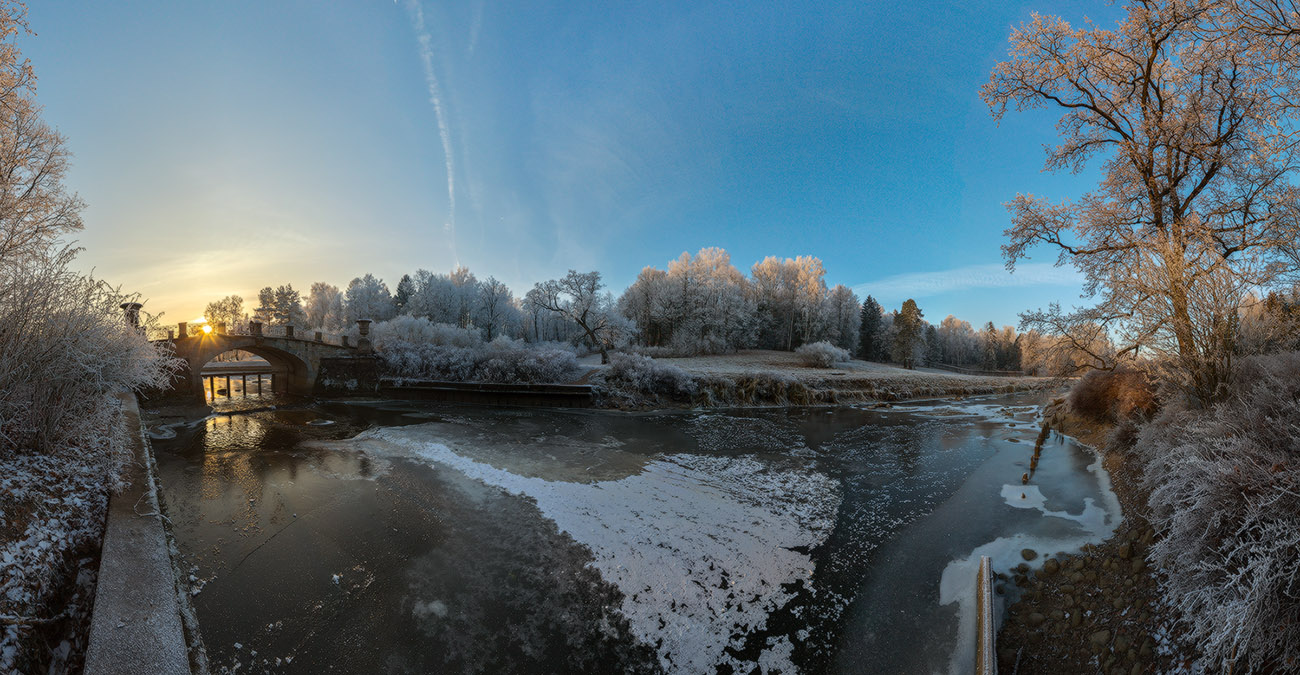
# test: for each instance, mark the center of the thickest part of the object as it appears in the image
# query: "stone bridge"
(295, 359)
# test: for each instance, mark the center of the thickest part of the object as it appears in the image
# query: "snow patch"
(702, 547)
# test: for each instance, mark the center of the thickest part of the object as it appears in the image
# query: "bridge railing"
(254, 328)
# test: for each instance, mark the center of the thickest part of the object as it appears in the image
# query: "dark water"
(408, 537)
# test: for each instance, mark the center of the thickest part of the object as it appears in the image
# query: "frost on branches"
(822, 355)
(65, 351)
(1225, 491)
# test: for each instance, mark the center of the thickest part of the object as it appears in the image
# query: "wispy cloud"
(926, 284)
(435, 97)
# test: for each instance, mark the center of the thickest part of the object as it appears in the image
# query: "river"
(421, 537)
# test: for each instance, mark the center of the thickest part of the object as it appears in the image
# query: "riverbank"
(1100, 610)
(775, 378)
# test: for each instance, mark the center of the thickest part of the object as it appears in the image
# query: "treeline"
(700, 304)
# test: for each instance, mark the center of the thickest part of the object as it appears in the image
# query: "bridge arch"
(295, 361)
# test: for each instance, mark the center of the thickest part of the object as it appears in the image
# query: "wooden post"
(228, 392)
(259, 384)
(243, 388)
(986, 658)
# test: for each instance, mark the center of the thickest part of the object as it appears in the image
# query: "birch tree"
(1189, 113)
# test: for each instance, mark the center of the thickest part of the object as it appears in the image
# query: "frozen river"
(414, 537)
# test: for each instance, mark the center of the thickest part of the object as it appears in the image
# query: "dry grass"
(761, 377)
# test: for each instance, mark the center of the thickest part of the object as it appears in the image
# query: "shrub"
(1225, 491)
(822, 354)
(644, 375)
(502, 360)
(419, 331)
(1113, 395)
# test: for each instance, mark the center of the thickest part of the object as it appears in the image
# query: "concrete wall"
(137, 625)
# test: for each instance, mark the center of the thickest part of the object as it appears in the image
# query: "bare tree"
(36, 210)
(1196, 203)
(577, 298)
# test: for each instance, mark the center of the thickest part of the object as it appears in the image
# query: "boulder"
(1099, 640)
(1051, 566)
(1126, 550)
(1028, 554)
(1035, 619)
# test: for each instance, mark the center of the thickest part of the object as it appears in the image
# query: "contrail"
(435, 97)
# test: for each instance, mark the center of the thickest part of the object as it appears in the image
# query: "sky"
(223, 147)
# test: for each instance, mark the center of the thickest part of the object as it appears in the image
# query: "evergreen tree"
(909, 343)
(869, 343)
(405, 289)
(933, 350)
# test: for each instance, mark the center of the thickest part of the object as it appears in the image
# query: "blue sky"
(223, 147)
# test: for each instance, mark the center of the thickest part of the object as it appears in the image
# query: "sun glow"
(207, 328)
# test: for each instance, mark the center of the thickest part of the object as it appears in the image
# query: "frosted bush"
(822, 355)
(1225, 492)
(502, 360)
(644, 375)
(419, 331)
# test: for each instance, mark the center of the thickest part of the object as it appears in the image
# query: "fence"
(976, 371)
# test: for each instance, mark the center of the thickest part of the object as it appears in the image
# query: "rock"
(1090, 576)
(1076, 619)
(1138, 565)
(1067, 601)
(1021, 568)
(1067, 589)
(1000, 589)
(1056, 615)
(1145, 650)
(1024, 479)
(1051, 566)
(1028, 554)
(1035, 619)
(1077, 565)
(1137, 669)
(1119, 603)
(1125, 550)
(1121, 643)
(1099, 640)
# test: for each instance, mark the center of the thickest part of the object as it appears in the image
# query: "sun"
(207, 328)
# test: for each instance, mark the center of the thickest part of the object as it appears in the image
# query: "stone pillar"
(182, 331)
(255, 327)
(363, 342)
(345, 341)
(319, 337)
(288, 331)
(171, 334)
(221, 328)
(132, 312)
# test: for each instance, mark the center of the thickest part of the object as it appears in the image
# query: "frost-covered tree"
(870, 342)
(933, 347)
(325, 308)
(368, 298)
(496, 310)
(843, 318)
(1190, 108)
(465, 296)
(789, 294)
(957, 340)
(646, 304)
(577, 298)
(402, 298)
(909, 339)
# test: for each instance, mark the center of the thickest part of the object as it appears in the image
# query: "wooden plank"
(986, 660)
